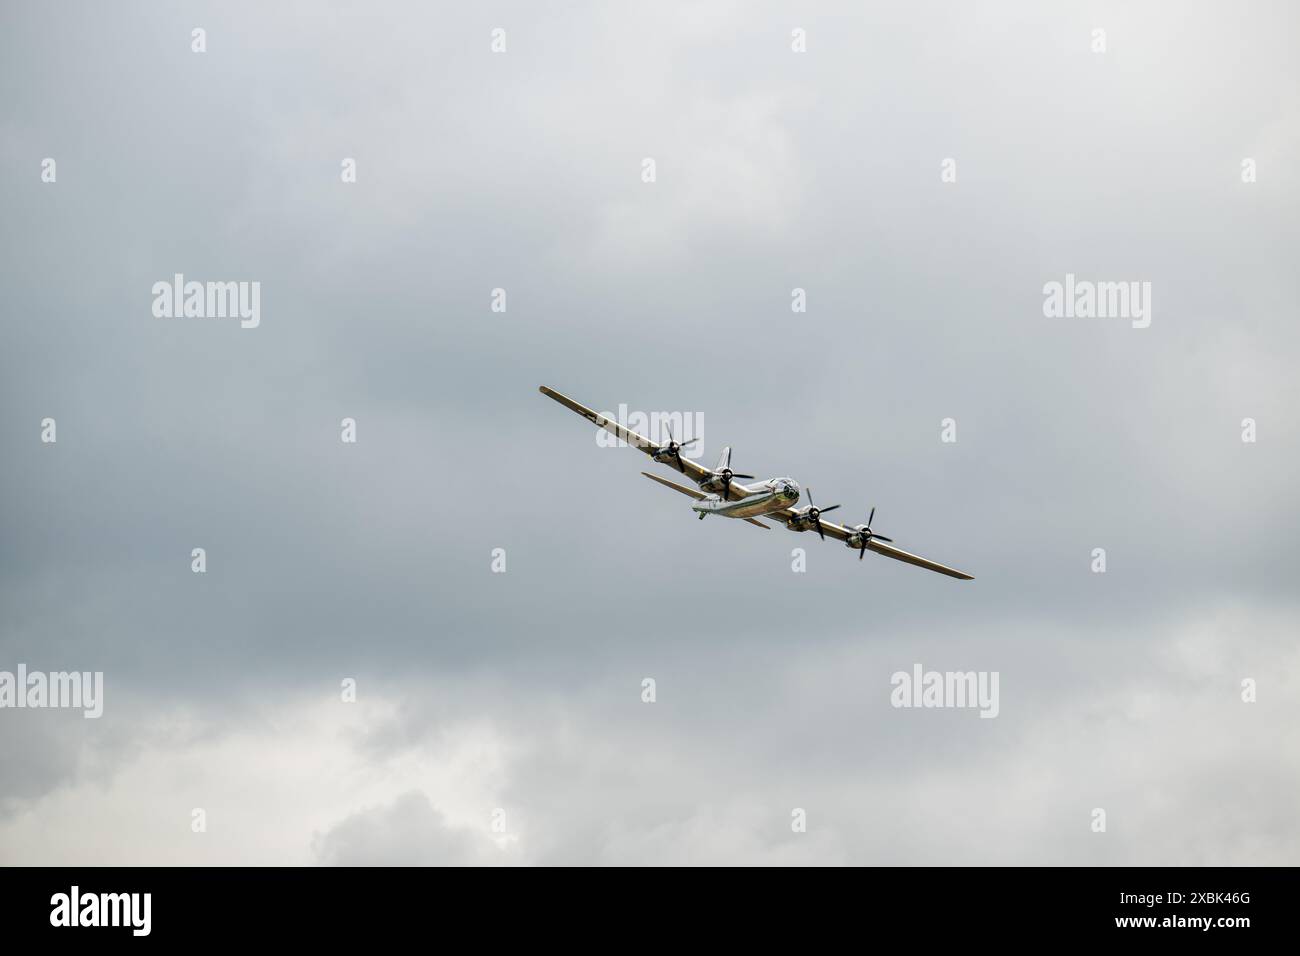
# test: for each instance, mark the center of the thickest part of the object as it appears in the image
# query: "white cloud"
(1154, 733)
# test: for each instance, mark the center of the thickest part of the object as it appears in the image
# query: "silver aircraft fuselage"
(751, 501)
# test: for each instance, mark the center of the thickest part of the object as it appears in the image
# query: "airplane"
(720, 494)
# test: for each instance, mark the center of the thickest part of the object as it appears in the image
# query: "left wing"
(898, 554)
(842, 533)
(690, 469)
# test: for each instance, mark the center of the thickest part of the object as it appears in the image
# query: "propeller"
(814, 514)
(726, 474)
(674, 448)
(865, 534)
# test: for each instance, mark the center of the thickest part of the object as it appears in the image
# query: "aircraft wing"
(842, 533)
(689, 468)
(898, 554)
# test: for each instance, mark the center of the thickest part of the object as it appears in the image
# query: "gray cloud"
(410, 832)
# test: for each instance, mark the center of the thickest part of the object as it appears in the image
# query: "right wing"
(690, 469)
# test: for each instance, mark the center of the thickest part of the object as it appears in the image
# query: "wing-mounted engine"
(671, 453)
(862, 535)
(719, 480)
(809, 519)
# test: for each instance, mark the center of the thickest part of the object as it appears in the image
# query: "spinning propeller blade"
(865, 534)
(815, 514)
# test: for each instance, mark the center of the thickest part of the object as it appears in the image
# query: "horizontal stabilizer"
(694, 494)
(697, 495)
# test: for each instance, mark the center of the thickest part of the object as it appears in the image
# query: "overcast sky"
(522, 691)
